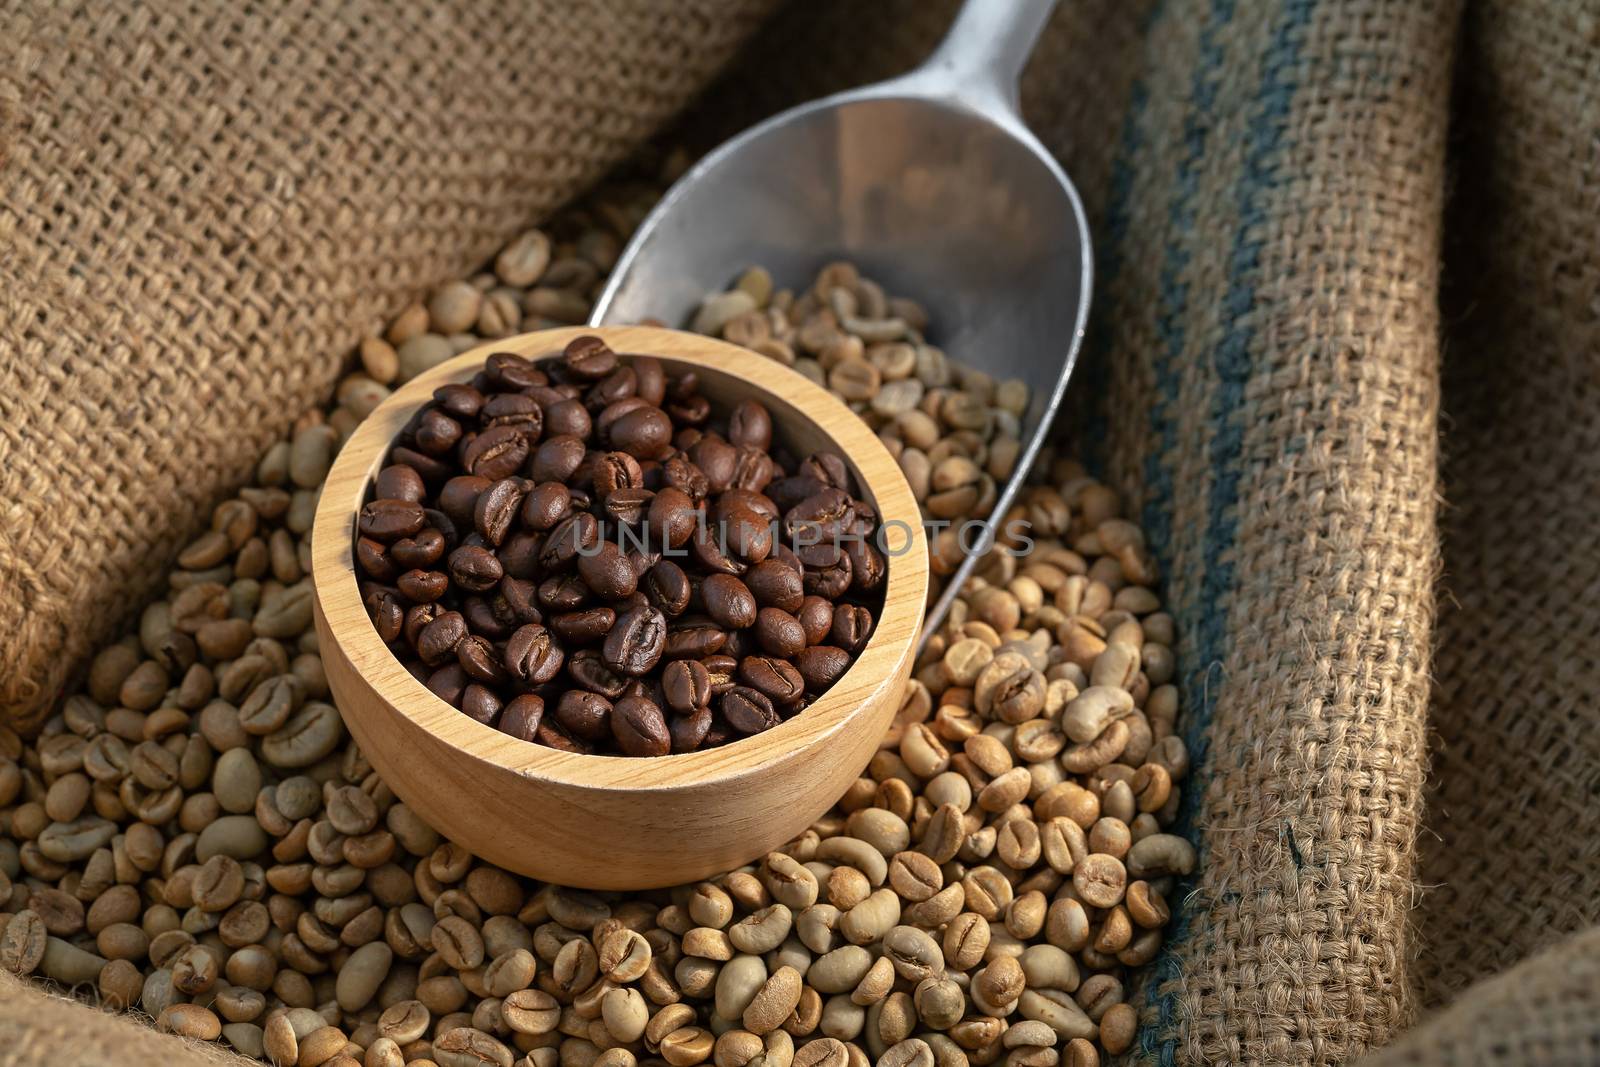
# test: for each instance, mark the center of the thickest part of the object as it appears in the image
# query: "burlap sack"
(203, 206)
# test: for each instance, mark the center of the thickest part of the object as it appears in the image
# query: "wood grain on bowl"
(609, 822)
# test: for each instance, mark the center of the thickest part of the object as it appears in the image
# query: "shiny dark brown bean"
(511, 371)
(388, 614)
(775, 677)
(436, 433)
(423, 550)
(695, 640)
(689, 731)
(686, 685)
(563, 593)
(422, 587)
(583, 626)
(635, 643)
(475, 568)
(667, 587)
(821, 665)
(680, 473)
(545, 505)
(867, 565)
(480, 702)
(589, 358)
(514, 409)
(496, 509)
(645, 432)
(748, 710)
(775, 584)
(521, 717)
(438, 639)
(578, 532)
(496, 453)
(589, 671)
(462, 401)
(729, 601)
(556, 458)
(779, 633)
(551, 734)
(532, 655)
(750, 426)
(827, 570)
(373, 557)
(584, 714)
(852, 625)
(639, 727)
(816, 615)
(448, 683)
(606, 570)
(459, 497)
(568, 419)
(747, 533)
(477, 657)
(616, 470)
(672, 518)
(390, 520)
(399, 482)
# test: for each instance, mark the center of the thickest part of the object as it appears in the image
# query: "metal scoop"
(929, 182)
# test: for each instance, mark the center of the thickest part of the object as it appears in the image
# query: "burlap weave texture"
(202, 208)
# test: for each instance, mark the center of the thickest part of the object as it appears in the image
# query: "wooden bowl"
(613, 822)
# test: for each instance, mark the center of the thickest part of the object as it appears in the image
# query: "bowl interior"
(806, 419)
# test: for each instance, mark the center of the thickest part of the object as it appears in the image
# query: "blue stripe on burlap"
(1207, 617)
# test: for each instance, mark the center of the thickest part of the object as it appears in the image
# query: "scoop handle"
(981, 58)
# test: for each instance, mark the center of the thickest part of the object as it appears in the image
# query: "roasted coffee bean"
(639, 727)
(423, 587)
(480, 702)
(816, 615)
(475, 568)
(496, 453)
(584, 714)
(750, 426)
(689, 730)
(694, 640)
(589, 358)
(532, 655)
(680, 473)
(616, 470)
(672, 518)
(438, 639)
(775, 584)
(666, 587)
(459, 497)
(827, 570)
(686, 685)
(852, 625)
(478, 658)
(729, 601)
(820, 666)
(583, 626)
(399, 482)
(557, 458)
(563, 593)
(635, 643)
(776, 678)
(545, 505)
(748, 710)
(779, 633)
(575, 534)
(606, 570)
(521, 717)
(390, 520)
(496, 509)
(589, 671)
(421, 551)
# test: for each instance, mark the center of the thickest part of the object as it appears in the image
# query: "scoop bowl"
(932, 184)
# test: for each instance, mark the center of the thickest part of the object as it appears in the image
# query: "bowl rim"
(338, 599)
